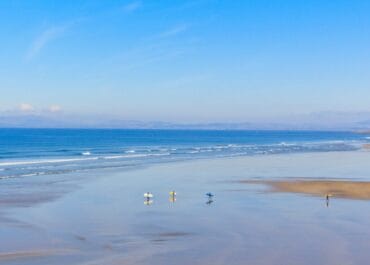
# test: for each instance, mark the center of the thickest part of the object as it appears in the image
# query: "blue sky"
(190, 61)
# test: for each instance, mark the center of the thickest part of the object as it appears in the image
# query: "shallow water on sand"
(101, 218)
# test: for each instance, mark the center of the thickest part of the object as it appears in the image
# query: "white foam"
(125, 156)
(163, 149)
(162, 154)
(87, 153)
(23, 175)
(286, 144)
(134, 156)
(17, 163)
(30, 175)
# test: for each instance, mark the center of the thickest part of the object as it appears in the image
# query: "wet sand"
(100, 217)
(8, 256)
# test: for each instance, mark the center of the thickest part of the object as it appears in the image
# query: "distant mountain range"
(314, 121)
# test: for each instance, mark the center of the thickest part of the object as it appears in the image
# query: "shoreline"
(62, 183)
(101, 216)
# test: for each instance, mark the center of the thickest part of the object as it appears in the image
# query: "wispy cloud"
(54, 108)
(25, 107)
(189, 5)
(132, 6)
(186, 81)
(157, 48)
(44, 38)
(145, 55)
(30, 109)
(174, 31)
(147, 59)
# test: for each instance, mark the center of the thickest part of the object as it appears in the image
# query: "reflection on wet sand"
(33, 254)
(166, 236)
(359, 190)
(209, 201)
(148, 202)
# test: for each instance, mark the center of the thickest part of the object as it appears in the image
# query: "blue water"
(27, 152)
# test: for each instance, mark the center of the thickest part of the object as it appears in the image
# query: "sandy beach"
(332, 188)
(262, 207)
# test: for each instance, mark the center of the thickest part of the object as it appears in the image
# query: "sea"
(30, 152)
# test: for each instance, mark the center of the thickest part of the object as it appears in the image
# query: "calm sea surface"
(27, 152)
